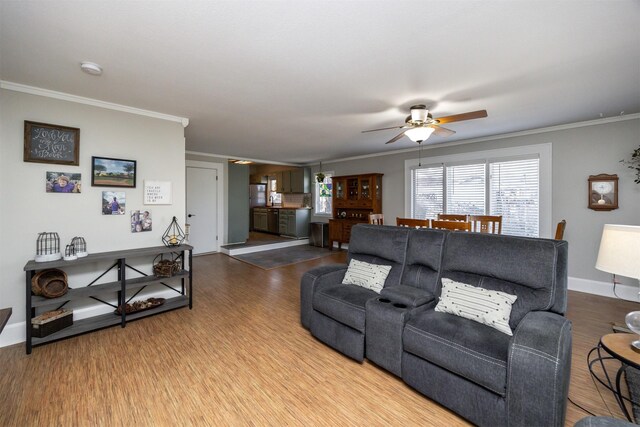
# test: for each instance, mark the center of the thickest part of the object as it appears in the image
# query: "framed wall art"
(603, 192)
(63, 182)
(45, 143)
(157, 192)
(108, 172)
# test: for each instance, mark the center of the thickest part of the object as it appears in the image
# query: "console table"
(120, 287)
(617, 347)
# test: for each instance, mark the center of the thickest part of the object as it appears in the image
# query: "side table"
(618, 347)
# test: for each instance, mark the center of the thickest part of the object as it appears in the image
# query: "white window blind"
(427, 192)
(510, 188)
(514, 194)
(466, 189)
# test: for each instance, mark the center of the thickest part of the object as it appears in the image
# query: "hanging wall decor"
(113, 202)
(157, 192)
(174, 234)
(45, 143)
(603, 192)
(63, 182)
(108, 172)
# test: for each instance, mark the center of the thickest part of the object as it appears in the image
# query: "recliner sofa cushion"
(424, 255)
(525, 267)
(344, 303)
(407, 295)
(472, 350)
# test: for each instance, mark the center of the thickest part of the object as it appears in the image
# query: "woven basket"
(50, 283)
(166, 268)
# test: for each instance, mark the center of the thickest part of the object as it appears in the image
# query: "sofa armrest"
(314, 279)
(539, 368)
(407, 295)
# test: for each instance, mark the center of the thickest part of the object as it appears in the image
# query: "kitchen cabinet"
(260, 221)
(354, 198)
(294, 181)
(294, 222)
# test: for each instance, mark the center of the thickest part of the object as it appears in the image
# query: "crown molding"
(489, 138)
(32, 90)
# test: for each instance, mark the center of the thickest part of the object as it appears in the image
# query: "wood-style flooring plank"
(240, 357)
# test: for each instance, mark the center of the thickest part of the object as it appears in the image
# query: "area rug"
(268, 260)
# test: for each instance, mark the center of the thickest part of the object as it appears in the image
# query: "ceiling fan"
(421, 124)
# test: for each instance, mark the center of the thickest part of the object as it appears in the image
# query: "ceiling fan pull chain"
(420, 155)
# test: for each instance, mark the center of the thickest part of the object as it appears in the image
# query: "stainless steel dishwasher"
(273, 220)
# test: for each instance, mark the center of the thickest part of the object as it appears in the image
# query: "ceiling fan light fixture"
(419, 134)
(419, 113)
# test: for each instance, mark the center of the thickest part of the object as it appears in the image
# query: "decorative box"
(50, 322)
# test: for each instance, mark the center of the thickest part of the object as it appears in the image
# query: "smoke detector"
(91, 68)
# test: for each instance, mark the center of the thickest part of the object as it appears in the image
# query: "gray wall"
(577, 153)
(238, 212)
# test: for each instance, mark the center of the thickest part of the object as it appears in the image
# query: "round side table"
(617, 347)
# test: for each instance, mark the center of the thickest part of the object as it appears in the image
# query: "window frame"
(543, 151)
(328, 174)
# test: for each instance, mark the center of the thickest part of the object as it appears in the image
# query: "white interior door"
(202, 212)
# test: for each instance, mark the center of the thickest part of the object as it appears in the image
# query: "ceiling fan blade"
(440, 131)
(464, 116)
(375, 130)
(395, 138)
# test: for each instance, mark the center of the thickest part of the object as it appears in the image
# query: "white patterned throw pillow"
(370, 276)
(491, 308)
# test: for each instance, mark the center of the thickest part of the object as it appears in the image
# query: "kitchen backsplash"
(295, 200)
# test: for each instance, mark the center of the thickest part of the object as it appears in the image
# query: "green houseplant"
(634, 163)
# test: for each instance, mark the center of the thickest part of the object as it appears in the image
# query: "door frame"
(219, 167)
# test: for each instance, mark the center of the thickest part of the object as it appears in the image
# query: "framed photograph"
(113, 203)
(63, 182)
(141, 221)
(157, 192)
(603, 192)
(45, 143)
(108, 172)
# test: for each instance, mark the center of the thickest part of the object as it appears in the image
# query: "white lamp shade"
(620, 250)
(419, 134)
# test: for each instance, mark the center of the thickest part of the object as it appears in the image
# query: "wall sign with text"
(157, 192)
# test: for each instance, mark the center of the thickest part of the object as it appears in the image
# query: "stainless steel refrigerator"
(257, 199)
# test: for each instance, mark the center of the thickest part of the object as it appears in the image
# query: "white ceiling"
(296, 81)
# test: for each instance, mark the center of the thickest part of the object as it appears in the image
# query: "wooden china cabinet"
(354, 198)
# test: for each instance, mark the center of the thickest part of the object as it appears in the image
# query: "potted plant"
(634, 163)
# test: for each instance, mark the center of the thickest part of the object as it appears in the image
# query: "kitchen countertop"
(278, 207)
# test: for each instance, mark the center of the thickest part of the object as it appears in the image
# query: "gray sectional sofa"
(484, 375)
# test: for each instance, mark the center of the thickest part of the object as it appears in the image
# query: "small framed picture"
(603, 192)
(63, 182)
(108, 172)
(141, 221)
(113, 203)
(45, 143)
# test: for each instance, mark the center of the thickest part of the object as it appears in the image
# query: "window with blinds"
(427, 192)
(510, 188)
(466, 189)
(514, 194)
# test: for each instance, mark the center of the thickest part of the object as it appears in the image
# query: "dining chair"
(377, 219)
(413, 223)
(452, 217)
(486, 223)
(451, 225)
(560, 229)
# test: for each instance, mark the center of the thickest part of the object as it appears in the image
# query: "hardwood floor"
(240, 357)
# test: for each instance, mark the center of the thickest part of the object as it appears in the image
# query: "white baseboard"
(605, 289)
(15, 333)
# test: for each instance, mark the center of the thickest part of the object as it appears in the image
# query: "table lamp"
(620, 254)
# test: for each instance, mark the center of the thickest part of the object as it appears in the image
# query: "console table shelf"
(120, 287)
